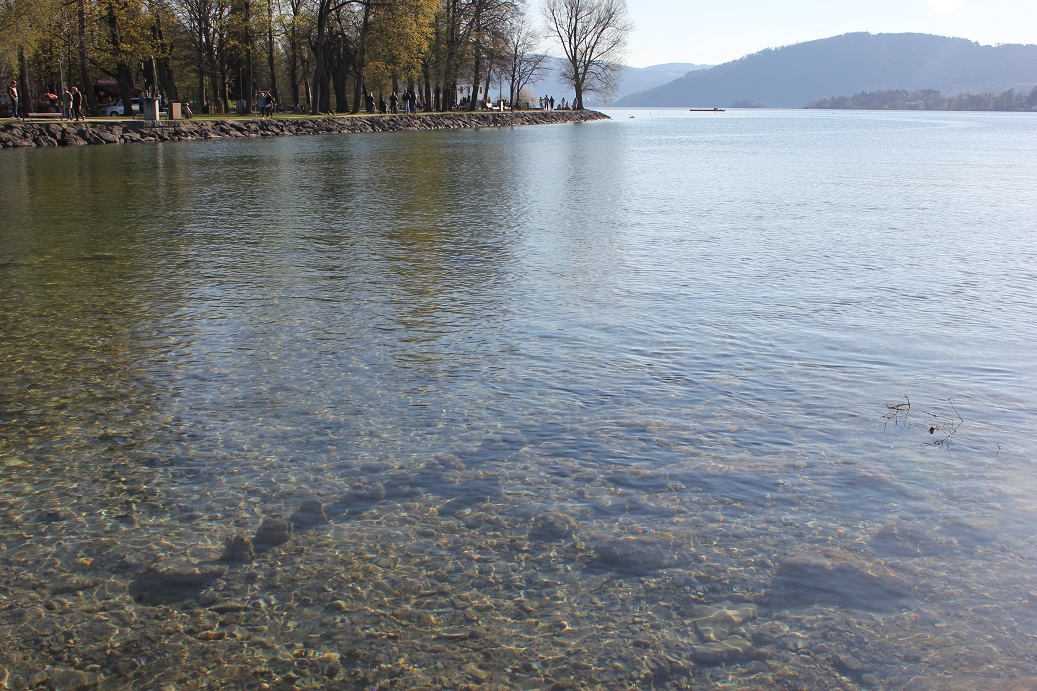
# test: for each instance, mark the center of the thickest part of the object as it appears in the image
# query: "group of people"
(71, 103)
(408, 99)
(548, 103)
(266, 104)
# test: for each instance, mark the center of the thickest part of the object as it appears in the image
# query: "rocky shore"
(38, 134)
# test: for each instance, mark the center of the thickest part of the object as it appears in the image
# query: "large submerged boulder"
(834, 575)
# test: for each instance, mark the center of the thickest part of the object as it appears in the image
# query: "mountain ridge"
(793, 76)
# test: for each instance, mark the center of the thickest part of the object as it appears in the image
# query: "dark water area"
(678, 400)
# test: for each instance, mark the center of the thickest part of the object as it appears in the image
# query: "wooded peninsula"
(930, 99)
(304, 56)
(45, 134)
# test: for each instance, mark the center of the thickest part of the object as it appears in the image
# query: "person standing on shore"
(394, 103)
(77, 104)
(66, 104)
(12, 93)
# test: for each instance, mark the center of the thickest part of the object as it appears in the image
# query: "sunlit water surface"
(729, 336)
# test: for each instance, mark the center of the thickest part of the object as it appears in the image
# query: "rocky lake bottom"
(445, 572)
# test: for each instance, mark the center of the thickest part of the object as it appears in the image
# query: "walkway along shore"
(36, 134)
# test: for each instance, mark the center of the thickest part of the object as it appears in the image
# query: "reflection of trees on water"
(87, 307)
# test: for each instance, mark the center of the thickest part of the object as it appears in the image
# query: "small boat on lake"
(707, 110)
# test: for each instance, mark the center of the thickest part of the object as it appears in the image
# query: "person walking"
(394, 103)
(12, 93)
(66, 104)
(77, 104)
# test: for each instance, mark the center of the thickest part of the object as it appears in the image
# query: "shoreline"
(36, 134)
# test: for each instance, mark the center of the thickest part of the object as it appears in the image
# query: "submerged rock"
(238, 548)
(718, 625)
(838, 576)
(734, 649)
(170, 584)
(357, 500)
(902, 540)
(189, 577)
(310, 514)
(72, 679)
(57, 516)
(273, 531)
(552, 527)
(642, 553)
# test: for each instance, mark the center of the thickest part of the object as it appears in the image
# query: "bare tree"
(205, 22)
(523, 60)
(593, 36)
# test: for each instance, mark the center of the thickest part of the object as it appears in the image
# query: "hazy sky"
(715, 31)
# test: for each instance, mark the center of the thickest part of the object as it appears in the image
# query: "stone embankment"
(36, 134)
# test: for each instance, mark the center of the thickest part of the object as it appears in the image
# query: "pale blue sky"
(715, 31)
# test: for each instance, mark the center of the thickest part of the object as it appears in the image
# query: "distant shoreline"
(39, 133)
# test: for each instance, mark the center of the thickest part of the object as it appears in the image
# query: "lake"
(674, 400)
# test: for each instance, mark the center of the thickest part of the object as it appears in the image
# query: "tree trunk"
(358, 90)
(246, 84)
(293, 70)
(340, 77)
(477, 68)
(428, 87)
(489, 79)
(219, 96)
(325, 87)
(319, 57)
(123, 71)
(270, 63)
(202, 100)
(24, 97)
(205, 92)
(124, 75)
(165, 71)
(578, 83)
(84, 63)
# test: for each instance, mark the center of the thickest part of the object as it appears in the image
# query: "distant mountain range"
(792, 76)
(633, 80)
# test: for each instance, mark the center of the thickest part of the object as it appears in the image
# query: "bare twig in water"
(897, 413)
(936, 422)
(944, 424)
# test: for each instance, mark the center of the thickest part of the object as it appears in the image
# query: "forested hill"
(793, 76)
